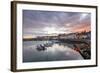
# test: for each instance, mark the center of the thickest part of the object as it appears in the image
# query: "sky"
(43, 23)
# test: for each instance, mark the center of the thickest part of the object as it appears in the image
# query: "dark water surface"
(54, 52)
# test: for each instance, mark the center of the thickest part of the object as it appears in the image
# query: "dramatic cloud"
(38, 23)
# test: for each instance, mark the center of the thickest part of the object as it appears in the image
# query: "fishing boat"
(41, 47)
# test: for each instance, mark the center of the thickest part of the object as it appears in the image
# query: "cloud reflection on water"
(54, 53)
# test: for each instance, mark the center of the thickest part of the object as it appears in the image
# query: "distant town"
(81, 35)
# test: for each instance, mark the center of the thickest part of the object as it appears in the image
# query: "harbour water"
(54, 52)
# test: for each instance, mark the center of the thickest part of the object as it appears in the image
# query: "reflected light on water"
(56, 47)
(52, 53)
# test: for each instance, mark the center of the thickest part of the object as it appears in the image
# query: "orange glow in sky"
(81, 28)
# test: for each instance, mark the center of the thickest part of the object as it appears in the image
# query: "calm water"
(54, 52)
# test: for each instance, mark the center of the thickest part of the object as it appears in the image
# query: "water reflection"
(54, 52)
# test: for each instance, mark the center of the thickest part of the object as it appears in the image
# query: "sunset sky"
(42, 23)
